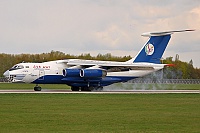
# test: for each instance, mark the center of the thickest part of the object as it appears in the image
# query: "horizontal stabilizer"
(148, 34)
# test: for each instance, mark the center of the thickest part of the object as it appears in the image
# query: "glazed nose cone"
(6, 73)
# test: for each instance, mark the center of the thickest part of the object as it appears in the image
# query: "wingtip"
(170, 65)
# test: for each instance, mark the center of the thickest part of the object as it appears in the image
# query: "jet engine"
(71, 72)
(84, 73)
(92, 73)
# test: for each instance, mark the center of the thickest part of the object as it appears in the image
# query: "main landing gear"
(37, 88)
(74, 88)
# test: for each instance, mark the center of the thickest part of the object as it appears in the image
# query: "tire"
(73, 88)
(37, 88)
(87, 88)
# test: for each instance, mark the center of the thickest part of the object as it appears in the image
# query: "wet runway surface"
(45, 91)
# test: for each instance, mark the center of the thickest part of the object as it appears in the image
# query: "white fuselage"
(31, 72)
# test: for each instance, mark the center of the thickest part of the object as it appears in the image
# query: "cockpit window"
(15, 67)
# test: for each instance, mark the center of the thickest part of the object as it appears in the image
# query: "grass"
(99, 113)
(23, 86)
(119, 86)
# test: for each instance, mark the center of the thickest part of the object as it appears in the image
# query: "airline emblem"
(149, 49)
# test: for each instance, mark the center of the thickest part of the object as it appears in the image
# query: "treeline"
(182, 70)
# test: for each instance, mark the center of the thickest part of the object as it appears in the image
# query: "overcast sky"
(98, 26)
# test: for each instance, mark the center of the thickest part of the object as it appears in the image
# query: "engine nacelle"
(92, 73)
(71, 72)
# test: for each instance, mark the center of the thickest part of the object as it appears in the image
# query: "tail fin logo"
(149, 49)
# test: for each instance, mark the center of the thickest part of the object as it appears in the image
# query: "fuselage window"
(15, 67)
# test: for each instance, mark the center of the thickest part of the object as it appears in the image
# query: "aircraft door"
(41, 74)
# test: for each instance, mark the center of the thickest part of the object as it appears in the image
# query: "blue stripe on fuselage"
(59, 79)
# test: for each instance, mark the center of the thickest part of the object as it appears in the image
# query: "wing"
(110, 66)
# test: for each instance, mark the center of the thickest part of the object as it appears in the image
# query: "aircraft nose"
(6, 73)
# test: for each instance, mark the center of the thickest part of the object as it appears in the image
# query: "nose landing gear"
(37, 88)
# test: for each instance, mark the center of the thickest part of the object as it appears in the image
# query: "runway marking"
(99, 92)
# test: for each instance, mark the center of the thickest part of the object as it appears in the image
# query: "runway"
(101, 92)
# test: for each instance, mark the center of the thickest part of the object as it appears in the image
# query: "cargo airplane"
(90, 75)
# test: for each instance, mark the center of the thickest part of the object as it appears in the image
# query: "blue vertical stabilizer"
(153, 50)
